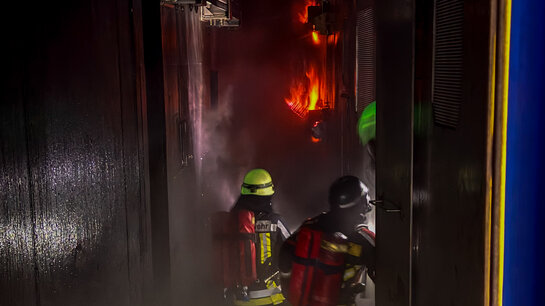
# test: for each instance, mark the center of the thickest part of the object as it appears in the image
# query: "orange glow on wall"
(302, 16)
(332, 39)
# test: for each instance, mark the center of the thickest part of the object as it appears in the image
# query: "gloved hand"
(357, 288)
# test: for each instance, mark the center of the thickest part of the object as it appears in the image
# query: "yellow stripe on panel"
(507, 46)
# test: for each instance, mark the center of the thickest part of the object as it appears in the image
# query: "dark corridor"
(125, 123)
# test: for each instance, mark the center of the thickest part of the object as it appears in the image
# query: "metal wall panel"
(433, 253)
(366, 58)
(450, 158)
(448, 55)
(74, 216)
(394, 171)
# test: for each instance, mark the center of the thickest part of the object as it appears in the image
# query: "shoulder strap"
(367, 234)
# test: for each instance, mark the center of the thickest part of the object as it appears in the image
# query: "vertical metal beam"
(155, 100)
(502, 40)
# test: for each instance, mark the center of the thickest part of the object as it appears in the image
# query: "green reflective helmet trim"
(257, 182)
(367, 123)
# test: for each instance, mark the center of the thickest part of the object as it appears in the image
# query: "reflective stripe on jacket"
(270, 234)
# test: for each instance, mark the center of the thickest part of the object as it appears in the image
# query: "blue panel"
(524, 268)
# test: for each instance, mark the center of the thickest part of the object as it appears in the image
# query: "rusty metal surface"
(73, 215)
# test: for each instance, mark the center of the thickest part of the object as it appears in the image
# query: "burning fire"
(332, 39)
(303, 15)
(316, 88)
(315, 38)
(309, 91)
(306, 93)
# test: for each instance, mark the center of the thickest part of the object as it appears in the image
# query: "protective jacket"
(270, 233)
(358, 248)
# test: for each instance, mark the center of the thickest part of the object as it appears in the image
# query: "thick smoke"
(220, 176)
(251, 126)
(256, 129)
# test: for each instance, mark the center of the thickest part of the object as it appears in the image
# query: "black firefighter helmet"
(347, 192)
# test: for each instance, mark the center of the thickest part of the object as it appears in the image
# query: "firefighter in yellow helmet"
(253, 279)
(257, 182)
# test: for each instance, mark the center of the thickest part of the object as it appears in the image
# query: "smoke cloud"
(252, 126)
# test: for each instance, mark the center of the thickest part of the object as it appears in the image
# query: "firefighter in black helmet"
(341, 230)
(254, 213)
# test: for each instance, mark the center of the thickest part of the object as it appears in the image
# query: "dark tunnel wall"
(433, 151)
(73, 220)
(451, 152)
(394, 171)
(186, 67)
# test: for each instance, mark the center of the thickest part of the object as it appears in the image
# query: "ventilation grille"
(365, 52)
(448, 62)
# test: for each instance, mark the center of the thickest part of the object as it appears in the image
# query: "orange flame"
(297, 100)
(303, 15)
(315, 88)
(332, 39)
(306, 93)
(315, 38)
(309, 91)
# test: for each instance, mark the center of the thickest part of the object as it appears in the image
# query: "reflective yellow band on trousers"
(274, 299)
(351, 272)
